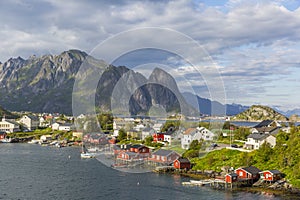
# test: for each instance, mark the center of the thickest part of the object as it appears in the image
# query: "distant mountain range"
(45, 84)
(208, 107)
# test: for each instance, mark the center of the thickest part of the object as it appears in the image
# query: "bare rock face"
(45, 84)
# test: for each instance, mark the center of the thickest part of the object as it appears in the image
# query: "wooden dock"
(216, 183)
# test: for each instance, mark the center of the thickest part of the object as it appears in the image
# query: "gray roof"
(183, 160)
(12, 122)
(264, 123)
(163, 152)
(32, 117)
(232, 174)
(274, 171)
(258, 136)
(148, 129)
(251, 170)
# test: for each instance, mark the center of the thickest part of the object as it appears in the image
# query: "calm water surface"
(36, 172)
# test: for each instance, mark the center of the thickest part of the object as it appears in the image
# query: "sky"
(253, 46)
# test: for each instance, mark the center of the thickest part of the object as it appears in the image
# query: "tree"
(226, 125)
(122, 135)
(195, 145)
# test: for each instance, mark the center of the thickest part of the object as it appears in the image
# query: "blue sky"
(255, 45)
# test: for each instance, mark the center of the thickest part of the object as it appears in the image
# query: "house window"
(240, 173)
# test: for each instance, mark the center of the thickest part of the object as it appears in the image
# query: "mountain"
(258, 113)
(6, 113)
(208, 107)
(45, 84)
(293, 112)
(40, 84)
(124, 91)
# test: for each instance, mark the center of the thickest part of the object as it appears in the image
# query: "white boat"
(33, 142)
(6, 140)
(86, 155)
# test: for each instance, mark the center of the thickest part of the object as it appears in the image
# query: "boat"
(85, 154)
(33, 142)
(6, 140)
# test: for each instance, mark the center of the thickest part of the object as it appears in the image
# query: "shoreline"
(252, 189)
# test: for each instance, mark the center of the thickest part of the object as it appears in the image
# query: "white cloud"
(251, 42)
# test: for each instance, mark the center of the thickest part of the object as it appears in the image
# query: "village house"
(164, 157)
(270, 175)
(182, 163)
(158, 137)
(255, 140)
(248, 173)
(264, 132)
(30, 122)
(9, 126)
(139, 127)
(157, 127)
(231, 178)
(146, 132)
(65, 127)
(95, 139)
(266, 126)
(133, 134)
(77, 134)
(62, 127)
(131, 152)
(199, 133)
(168, 138)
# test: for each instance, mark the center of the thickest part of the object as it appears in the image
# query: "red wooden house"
(271, 175)
(158, 137)
(127, 155)
(231, 178)
(2, 135)
(130, 152)
(251, 173)
(165, 157)
(182, 163)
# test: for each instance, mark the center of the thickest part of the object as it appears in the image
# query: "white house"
(255, 140)
(139, 127)
(206, 134)
(55, 126)
(168, 138)
(157, 127)
(199, 133)
(65, 127)
(147, 132)
(62, 127)
(9, 126)
(30, 122)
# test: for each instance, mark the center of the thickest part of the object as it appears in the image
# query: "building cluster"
(137, 153)
(252, 174)
(29, 122)
(141, 129)
(264, 132)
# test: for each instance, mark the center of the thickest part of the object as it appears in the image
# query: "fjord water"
(36, 172)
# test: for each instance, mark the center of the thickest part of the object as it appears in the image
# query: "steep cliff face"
(132, 92)
(40, 83)
(45, 84)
